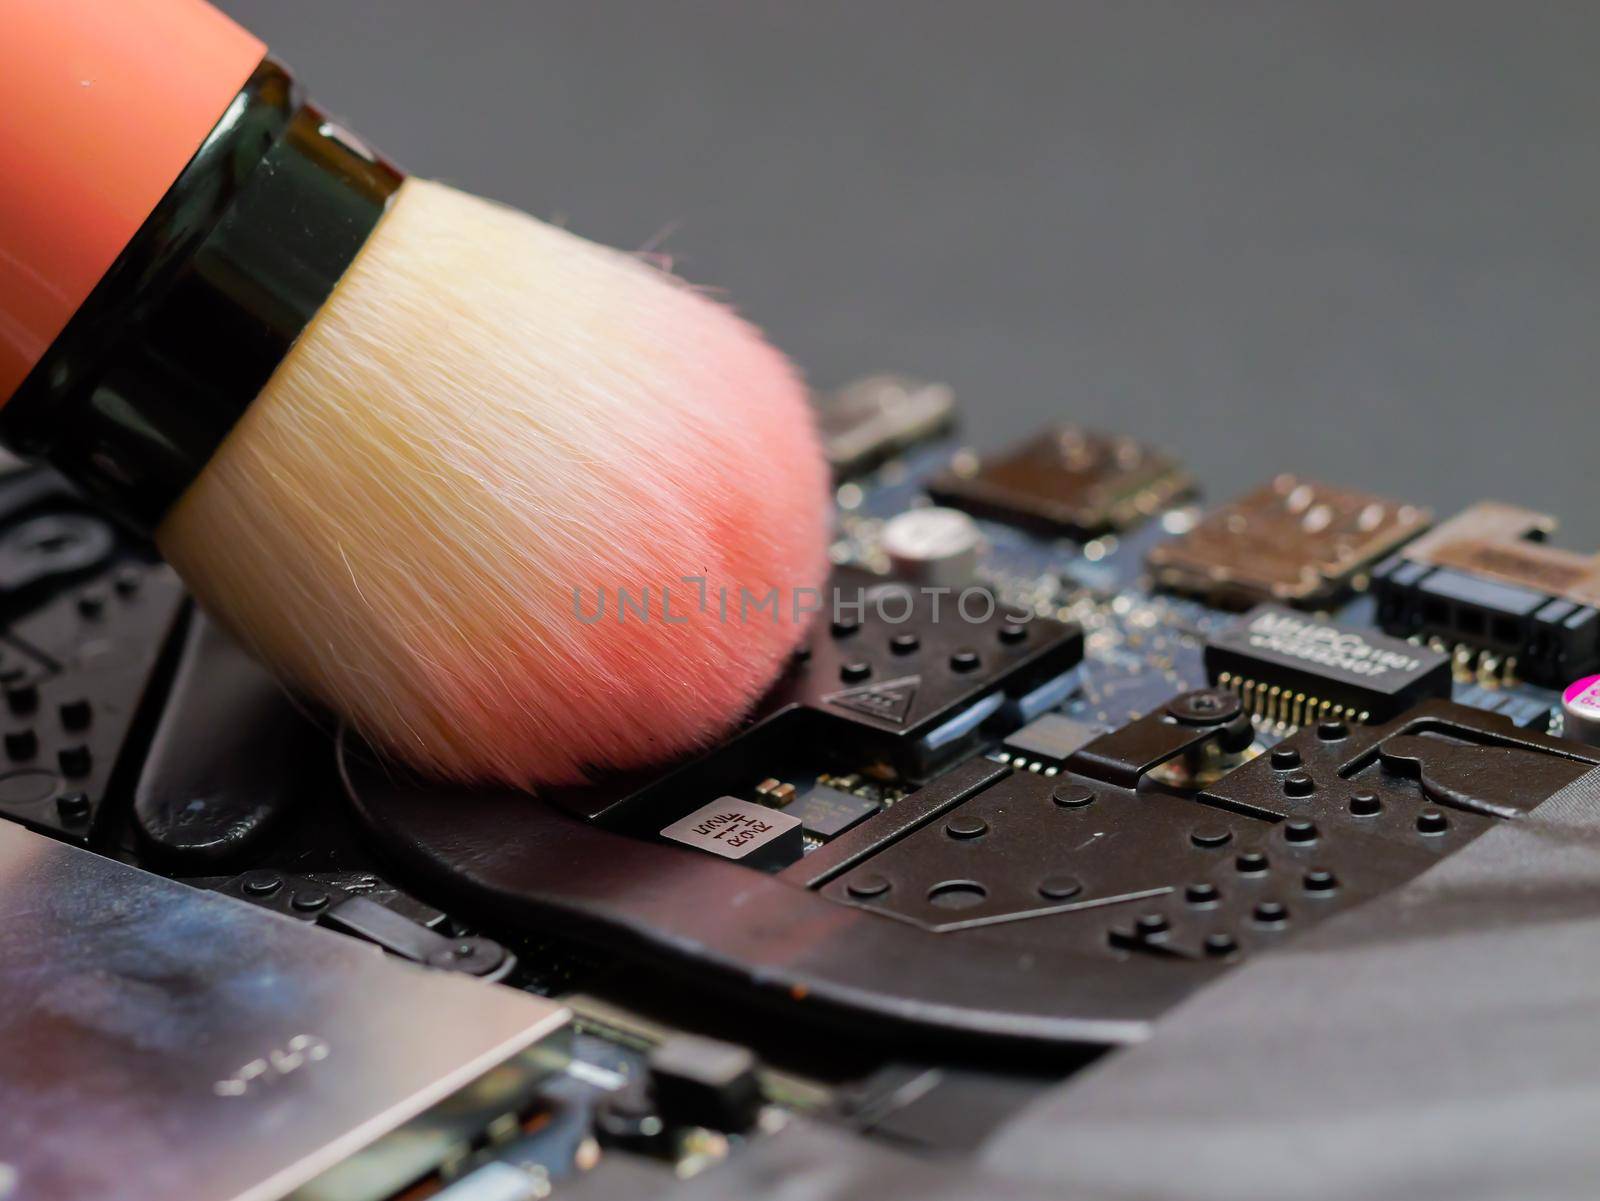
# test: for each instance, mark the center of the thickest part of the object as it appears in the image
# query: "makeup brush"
(521, 508)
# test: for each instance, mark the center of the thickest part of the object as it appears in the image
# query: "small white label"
(731, 828)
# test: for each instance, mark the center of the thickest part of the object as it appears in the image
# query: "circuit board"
(955, 855)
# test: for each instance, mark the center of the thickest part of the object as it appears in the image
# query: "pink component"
(1584, 693)
(1580, 708)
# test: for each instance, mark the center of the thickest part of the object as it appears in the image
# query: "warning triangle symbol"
(887, 701)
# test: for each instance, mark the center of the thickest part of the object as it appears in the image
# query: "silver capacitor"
(933, 546)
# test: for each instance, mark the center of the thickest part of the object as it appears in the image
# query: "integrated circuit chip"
(1296, 669)
(1293, 541)
(1049, 740)
(872, 419)
(1067, 481)
(826, 813)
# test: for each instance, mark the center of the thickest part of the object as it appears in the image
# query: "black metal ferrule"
(182, 333)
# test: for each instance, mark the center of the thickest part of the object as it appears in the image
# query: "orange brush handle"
(102, 103)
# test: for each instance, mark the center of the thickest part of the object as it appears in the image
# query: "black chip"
(1299, 669)
(826, 813)
(1052, 739)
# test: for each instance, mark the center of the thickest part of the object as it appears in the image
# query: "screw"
(1205, 707)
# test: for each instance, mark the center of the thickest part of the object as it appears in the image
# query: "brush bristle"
(489, 427)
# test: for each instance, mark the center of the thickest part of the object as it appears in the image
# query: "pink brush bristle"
(491, 427)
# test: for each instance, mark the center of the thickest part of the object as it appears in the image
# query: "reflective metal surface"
(160, 1042)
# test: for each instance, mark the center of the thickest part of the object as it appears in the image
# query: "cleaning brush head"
(521, 507)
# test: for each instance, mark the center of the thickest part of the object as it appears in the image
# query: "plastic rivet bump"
(261, 883)
(1072, 796)
(863, 887)
(1365, 804)
(73, 806)
(1271, 913)
(1060, 888)
(1299, 784)
(1431, 821)
(1201, 894)
(75, 760)
(1300, 830)
(966, 827)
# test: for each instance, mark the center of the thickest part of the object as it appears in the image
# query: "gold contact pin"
(1285, 710)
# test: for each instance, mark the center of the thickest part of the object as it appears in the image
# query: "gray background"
(1356, 240)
